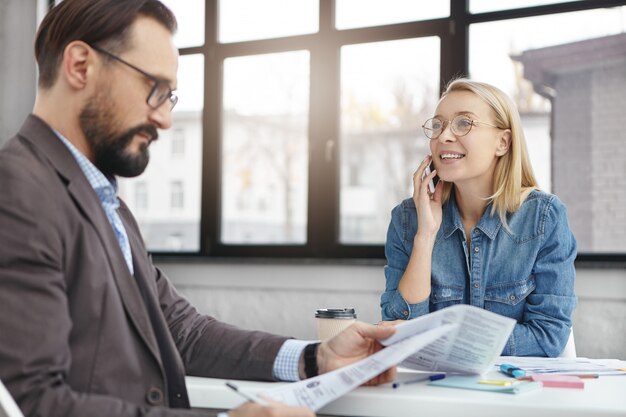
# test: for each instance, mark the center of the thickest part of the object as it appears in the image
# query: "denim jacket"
(526, 273)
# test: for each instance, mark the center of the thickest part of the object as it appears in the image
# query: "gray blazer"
(75, 335)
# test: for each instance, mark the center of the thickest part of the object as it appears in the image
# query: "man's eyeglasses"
(460, 126)
(160, 92)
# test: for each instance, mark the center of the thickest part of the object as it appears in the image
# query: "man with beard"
(89, 326)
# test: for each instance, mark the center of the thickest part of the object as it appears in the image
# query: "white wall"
(282, 298)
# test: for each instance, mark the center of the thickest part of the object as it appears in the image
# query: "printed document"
(472, 348)
(460, 338)
(318, 391)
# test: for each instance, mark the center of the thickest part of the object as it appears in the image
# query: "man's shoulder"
(29, 182)
(20, 162)
(36, 154)
(23, 145)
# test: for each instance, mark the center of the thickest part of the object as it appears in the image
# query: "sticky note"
(559, 381)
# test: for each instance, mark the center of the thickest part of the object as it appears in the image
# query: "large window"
(297, 128)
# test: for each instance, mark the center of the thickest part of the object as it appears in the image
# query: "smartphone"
(432, 183)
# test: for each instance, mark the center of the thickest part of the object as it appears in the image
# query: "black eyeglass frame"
(158, 82)
(451, 123)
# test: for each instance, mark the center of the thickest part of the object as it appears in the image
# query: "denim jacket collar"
(451, 220)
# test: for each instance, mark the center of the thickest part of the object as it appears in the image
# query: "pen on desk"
(244, 395)
(512, 370)
(434, 377)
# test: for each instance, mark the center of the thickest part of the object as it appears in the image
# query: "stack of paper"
(565, 366)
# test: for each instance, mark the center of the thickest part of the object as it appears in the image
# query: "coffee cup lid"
(335, 313)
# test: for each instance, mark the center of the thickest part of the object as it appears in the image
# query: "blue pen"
(512, 370)
(434, 377)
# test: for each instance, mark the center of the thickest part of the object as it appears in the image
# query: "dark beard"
(110, 150)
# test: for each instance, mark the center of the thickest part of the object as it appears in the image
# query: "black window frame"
(324, 113)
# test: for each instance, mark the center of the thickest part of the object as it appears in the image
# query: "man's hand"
(273, 409)
(353, 344)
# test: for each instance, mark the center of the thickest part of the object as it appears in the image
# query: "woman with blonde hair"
(485, 235)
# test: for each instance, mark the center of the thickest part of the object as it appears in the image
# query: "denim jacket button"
(477, 285)
(512, 297)
(406, 313)
(477, 249)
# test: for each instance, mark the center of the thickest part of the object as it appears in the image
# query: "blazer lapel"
(85, 198)
(144, 273)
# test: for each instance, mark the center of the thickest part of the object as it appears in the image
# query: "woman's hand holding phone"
(415, 282)
(427, 200)
(434, 180)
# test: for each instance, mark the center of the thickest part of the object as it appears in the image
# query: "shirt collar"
(105, 188)
(451, 221)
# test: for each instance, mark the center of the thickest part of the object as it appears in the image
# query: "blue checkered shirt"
(286, 362)
(107, 193)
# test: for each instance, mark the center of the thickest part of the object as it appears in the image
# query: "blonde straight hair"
(513, 176)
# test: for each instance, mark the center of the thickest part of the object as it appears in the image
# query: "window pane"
(177, 195)
(568, 86)
(361, 13)
(388, 89)
(190, 17)
(246, 20)
(265, 148)
(164, 227)
(480, 6)
(178, 142)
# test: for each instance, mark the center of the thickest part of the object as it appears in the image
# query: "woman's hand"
(428, 206)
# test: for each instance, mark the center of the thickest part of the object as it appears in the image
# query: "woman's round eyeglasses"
(460, 126)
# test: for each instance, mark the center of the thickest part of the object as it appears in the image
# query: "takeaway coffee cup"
(331, 321)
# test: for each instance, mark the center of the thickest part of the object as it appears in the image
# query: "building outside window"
(177, 195)
(178, 142)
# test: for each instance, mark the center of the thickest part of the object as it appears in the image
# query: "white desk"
(605, 396)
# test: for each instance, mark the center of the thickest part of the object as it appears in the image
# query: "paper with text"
(318, 391)
(471, 348)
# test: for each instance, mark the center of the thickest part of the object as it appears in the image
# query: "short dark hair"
(103, 22)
